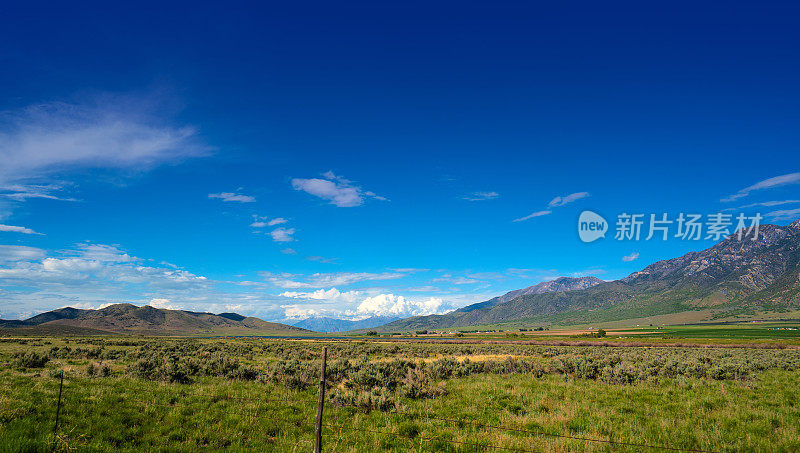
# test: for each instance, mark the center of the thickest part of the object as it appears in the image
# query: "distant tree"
(422, 332)
(601, 333)
(372, 333)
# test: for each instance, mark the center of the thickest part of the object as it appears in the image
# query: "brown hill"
(146, 320)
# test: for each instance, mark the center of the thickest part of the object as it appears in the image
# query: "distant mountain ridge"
(331, 325)
(146, 320)
(559, 284)
(728, 278)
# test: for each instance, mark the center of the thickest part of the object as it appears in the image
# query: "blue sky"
(356, 159)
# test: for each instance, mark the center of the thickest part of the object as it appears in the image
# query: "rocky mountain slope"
(731, 277)
(557, 285)
(147, 320)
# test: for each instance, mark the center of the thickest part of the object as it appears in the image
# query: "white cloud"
(481, 196)
(535, 214)
(322, 280)
(332, 294)
(339, 191)
(768, 204)
(561, 201)
(98, 264)
(784, 214)
(456, 280)
(107, 131)
(289, 251)
(391, 305)
(22, 192)
(232, 197)
(633, 256)
(776, 181)
(163, 303)
(17, 229)
(322, 259)
(554, 203)
(297, 312)
(20, 253)
(282, 234)
(261, 221)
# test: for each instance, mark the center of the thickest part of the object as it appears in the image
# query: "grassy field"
(169, 394)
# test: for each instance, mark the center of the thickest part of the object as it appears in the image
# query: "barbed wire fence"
(332, 430)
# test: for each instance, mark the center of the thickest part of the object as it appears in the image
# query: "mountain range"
(732, 278)
(146, 320)
(330, 325)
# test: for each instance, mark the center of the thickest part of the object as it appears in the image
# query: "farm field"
(177, 394)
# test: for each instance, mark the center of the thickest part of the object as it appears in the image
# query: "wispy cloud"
(282, 234)
(535, 214)
(323, 280)
(261, 221)
(456, 280)
(331, 294)
(337, 190)
(22, 192)
(322, 259)
(20, 253)
(481, 196)
(103, 131)
(232, 197)
(17, 229)
(554, 203)
(561, 201)
(784, 214)
(776, 181)
(769, 203)
(633, 256)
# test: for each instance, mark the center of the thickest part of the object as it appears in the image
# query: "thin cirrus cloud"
(633, 256)
(561, 201)
(17, 229)
(233, 197)
(554, 203)
(322, 259)
(783, 214)
(769, 183)
(481, 196)
(102, 131)
(323, 280)
(338, 191)
(535, 214)
(768, 204)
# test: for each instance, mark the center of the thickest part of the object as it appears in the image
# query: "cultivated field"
(398, 394)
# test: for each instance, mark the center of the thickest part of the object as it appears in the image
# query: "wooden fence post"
(320, 403)
(58, 405)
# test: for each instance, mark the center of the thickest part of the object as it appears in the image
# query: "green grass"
(754, 405)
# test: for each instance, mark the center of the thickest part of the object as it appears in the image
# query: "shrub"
(30, 359)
